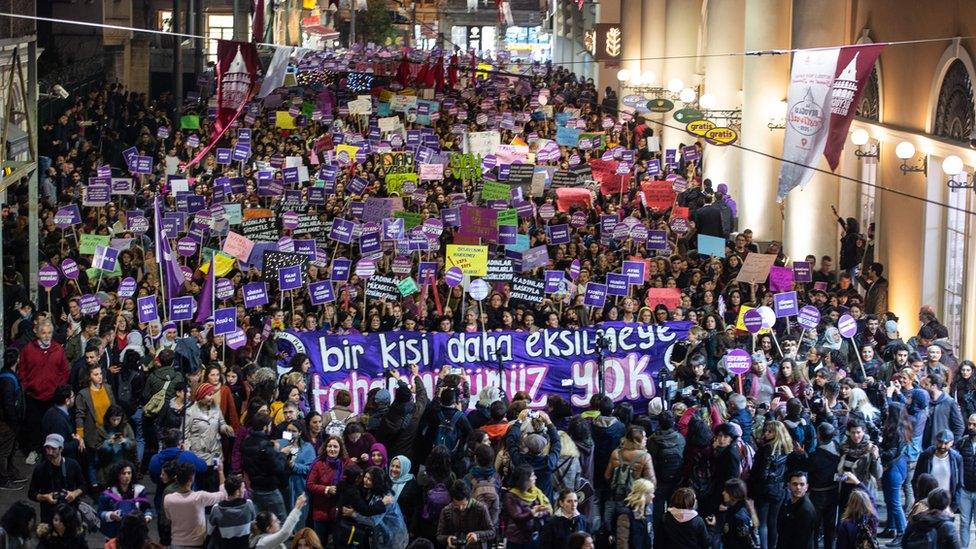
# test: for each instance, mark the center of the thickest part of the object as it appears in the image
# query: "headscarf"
(405, 476)
(378, 447)
(832, 339)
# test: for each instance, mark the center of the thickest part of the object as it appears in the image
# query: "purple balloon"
(809, 317)
(453, 276)
(69, 269)
(847, 326)
(753, 320)
(738, 361)
(48, 276)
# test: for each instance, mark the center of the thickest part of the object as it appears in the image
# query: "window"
(955, 265)
(218, 26)
(869, 174)
(164, 21)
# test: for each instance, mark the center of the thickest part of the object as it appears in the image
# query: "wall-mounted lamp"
(860, 138)
(905, 151)
(953, 167)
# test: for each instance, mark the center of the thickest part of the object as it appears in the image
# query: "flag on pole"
(854, 66)
(105, 258)
(169, 267)
(208, 298)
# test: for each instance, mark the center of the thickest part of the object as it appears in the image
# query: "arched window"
(955, 113)
(869, 105)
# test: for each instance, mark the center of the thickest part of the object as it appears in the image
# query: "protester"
(682, 527)
(465, 522)
(859, 523)
(934, 527)
(56, 479)
(185, 507)
(232, 517)
(122, 498)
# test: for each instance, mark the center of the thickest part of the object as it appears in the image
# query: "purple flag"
(169, 266)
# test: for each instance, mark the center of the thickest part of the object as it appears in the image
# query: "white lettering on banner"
(401, 353)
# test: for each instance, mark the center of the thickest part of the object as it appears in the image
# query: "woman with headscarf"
(406, 491)
(377, 456)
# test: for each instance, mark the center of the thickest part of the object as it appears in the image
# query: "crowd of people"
(799, 451)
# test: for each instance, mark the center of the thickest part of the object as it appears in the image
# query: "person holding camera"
(56, 479)
(265, 465)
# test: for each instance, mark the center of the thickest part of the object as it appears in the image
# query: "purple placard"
(634, 270)
(225, 321)
(657, 240)
(554, 281)
(809, 317)
(48, 276)
(365, 268)
(427, 272)
(186, 246)
(321, 292)
(534, 258)
(559, 234)
(753, 320)
(785, 304)
(181, 308)
(146, 307)
(242, 151)
(340, 269)
(290, 277)
(255, 294)
(847, 326)
(690, 153)
(451, 217)
(596, 295)
(369, 243)
(236, 339)
(97, 195)
(802, 271)
(89, 305)
(224, 156)
(143, 165)
(67, 216)
(225, 288)
(341, 230)
(453, 276)
(127, 288)
(70, 269)
(738, 361)
(618, 284)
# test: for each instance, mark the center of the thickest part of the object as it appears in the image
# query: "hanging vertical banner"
(854, 66)
(807, 116)
(237, 69)
(608, 42)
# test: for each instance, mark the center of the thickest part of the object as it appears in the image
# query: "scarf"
(404, 478)
(533, 495)
(336, 465)
(854, 452)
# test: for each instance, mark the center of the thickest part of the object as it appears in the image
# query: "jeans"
(825, 503)
(270, 501)
(967, 503)
(906, 486)
(891, 482)
(140, 438)
(767, 509)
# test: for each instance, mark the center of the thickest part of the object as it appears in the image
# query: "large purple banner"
(560, 362)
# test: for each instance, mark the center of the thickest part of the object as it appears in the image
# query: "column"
(681, 19)
(654, 32)
(809, 226)
(764, 83)
(630, 26)
(723, 81)
(605, 75)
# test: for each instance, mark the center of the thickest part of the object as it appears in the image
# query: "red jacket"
(324, 507)
(42, 370)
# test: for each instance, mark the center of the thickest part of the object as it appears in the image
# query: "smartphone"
(840, 477)
(717, 386)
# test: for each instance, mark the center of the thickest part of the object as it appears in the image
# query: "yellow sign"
(224, 264)
(472, 260)
(284, 120)
(395, 181)
(721, 136)
(740, 323)
(699, 127)
(349, 150)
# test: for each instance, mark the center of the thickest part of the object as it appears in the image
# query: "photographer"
(56, 479)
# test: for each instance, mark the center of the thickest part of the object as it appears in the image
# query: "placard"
(528, 290)
(755, 268)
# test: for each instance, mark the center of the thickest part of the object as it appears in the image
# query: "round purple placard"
(186, 246)
(289, 220)
(578, 219)
(847, 326)
(753, 320)
(809, 317)
(48, 276)
(236, 339)
(574, 269)
(679, 225)
(225, 288)
(402, 265)
(127, 288)
(286, 244)
(365, 268)
(433, 226)
(453, 276)
(139, 225)
(738, 361)
(479, 289)
(547, 211)
(89, 304)
(69, 269)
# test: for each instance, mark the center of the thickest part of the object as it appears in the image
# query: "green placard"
(601, 144)
(94, 273)
(493, 190)
(410, 219)
(89, 241)
(190, 122)
(508, 217)
(308, 108)
(394, 181)
(407, 286)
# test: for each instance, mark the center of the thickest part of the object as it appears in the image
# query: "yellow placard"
(395, 181)
(349, 149)
(699, 127)
(472, 260)
(224, 264)
(740, 321)
(284, 120)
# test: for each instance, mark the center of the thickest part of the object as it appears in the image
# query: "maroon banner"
(237, 71)
(854, 66)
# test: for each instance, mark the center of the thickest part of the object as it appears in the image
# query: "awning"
(322, 31)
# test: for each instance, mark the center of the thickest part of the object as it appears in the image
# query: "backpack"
(485, 491)
(447, 433)
(622, 477)
(157, 401)
(18, 399)
(921, 538)
(865, 536)
(336, 427)
(747, 455)
(435, 500)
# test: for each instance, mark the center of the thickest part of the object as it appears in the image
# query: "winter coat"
(667, 449)
(944, 414)
(458, 523)
(157, 379)
(607, 432)
(543, 464)
(797, 524)
(520, 524)
(324, 506)
(633, 532)
(743, 419)
(11, 399)
(388, 530)
(264, 465)
(41, 371)
(767, 476)
(967, 449)
(556, 532)
(684, 528)
(568, 468)
(397, 429)
(924, 465)
(940, 521)
(85, 422)
(738, 532)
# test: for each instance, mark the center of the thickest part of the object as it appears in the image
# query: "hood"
(683, 515)
(605, 422)
(495, 431)
(567, 447)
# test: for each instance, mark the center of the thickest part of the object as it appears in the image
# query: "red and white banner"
(237, 72)
(854, 65)
(825, 86)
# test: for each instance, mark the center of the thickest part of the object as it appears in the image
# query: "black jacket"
(12, 399)
(47, 478)
(397, 429)
(264, 465)
(924, 465)
(58, 421)
(689, 533)
(967, 449)
(739, 531)
(555, 534)
(942, 522)
(766, 478)
(667, 448)
(726, 465)
(797, 521)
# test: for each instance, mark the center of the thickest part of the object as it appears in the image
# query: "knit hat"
(204, 390)
(383, 397)
(655, 406)
(535, 444)
(722, 188)
(169, 326)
